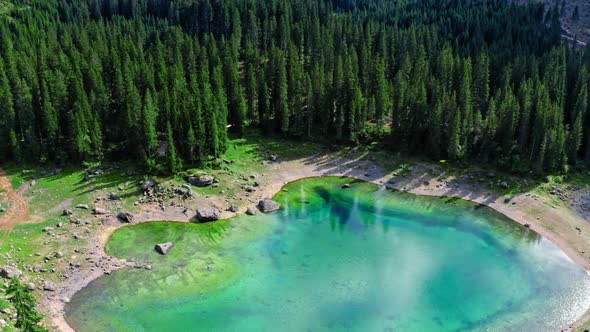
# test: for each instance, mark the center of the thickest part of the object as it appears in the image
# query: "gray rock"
(250, 189)
(97, 171)
(200, 181)
(147, 185)
(164, 248)
(504, 185)
(189, 190)
(346, 185)
(59, 254)
(274, 157)
(251, 212)
(55, 172)
(114, 196)
(268, 205)
(48, 286)
(9, 272)
(233, 208)
(99, 211)
(125, 217)
(67, 212)
(208, 214)
(31, 286)
(82, 206)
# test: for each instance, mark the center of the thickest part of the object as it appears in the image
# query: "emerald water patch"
(360, 258)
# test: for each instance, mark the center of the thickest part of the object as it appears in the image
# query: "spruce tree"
(28, 319)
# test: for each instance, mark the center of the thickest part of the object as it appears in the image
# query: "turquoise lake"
(332, 259)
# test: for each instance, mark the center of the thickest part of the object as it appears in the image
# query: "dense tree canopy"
(462, 80)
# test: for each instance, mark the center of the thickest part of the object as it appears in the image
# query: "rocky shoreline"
(563, 226)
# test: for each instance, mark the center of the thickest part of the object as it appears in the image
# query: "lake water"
(356, 259)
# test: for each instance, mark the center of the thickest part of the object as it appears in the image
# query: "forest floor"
(62, 254)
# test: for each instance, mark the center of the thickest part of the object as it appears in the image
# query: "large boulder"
(207, 214)
(164, 248)
(200, 181)
(125, 217)
(9, 272)
(268, 205)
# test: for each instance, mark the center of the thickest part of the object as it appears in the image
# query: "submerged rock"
(251, 212)
(9, 272)
(346, 185)
(268, 205)
(208, 214)
(125, 217)
(164, 248)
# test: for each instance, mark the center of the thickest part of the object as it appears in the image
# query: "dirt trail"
(18, 209)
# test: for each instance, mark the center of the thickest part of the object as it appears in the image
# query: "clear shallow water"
(357, 259)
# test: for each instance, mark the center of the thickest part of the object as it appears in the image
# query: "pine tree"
(28, 319)
(235, 95)
(174, 162)
(282, 102)
(576, 133)
(221, 114)
(252, 94)
(481, 82)
(6, 117)
(381, 93)
(148, 127)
